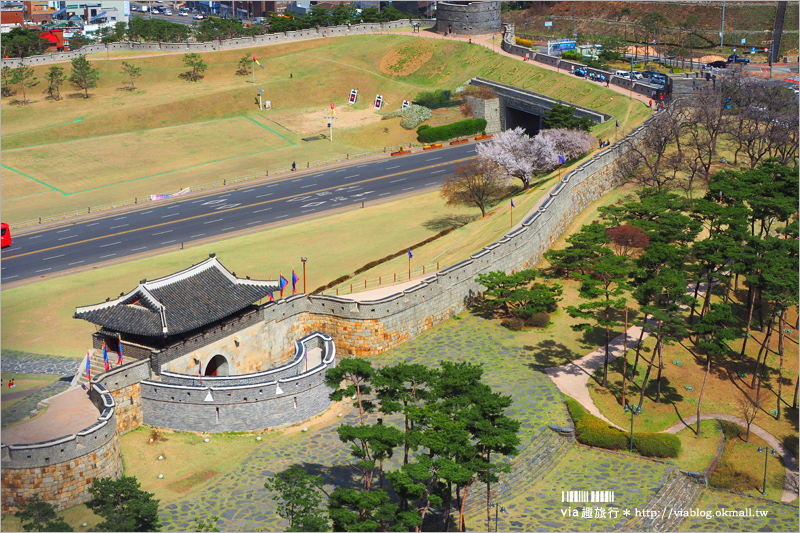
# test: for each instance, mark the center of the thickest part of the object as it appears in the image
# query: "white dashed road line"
(54, 257)
(112, 243)
(171, 215)
(438, 171)
(409, 189)
(121, 218)
(37, 236)
(309, 185)
(263, 195)
(397, 181)
(433, 159)
(390, 168)
(198, 235)
(353, 176)
(109, 255)
(162, 232)
(251, 223)
(282, 216)
(226, 229)
(63, 230)
(212, 221)
(137, 249)
(67, 237)
(42, 270)
(262, 210)
(92, 224)
(384, 194)
(168, 242)
(431, 183)
(122, 226)
(146, 212)
(75, 263)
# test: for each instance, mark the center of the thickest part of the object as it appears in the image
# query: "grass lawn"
(25, 381)
(74, 516)
(697, 451)
(322, 70)
(360, 236)
(744, 457)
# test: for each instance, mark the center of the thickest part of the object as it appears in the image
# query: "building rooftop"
(178, 303)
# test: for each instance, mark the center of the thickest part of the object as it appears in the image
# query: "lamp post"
(634, 411)
(497, 508)
(766, 456)
(304, 259)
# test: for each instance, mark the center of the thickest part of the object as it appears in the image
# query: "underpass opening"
(530, 122)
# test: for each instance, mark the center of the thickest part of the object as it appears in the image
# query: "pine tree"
(84, 76)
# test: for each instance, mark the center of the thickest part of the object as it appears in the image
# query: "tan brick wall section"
(129, 407)
(64, 484)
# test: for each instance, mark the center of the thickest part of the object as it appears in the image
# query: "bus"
(5, 235)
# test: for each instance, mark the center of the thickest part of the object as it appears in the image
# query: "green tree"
(123, 505)
(299, 498)
(358, 375)
(133, 73)
(5, 78)
(585, 248)
(359, 510)
(206, 525)
(84, 76)
(24, 77)
(21, 42)
(78, 40)
(197, 66)
(514, 294)
(38, 515)
(244, 65)
(562, 117)
(55, 77)
(604, 288)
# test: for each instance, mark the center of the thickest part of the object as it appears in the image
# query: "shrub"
(791, 442)
(657, 444)
(411, 116)
(461, 128)
(727, 477)
(480, 91)
(730, 430)
(438, 96)
(539, 320)
(514, 324)
(523, 42)
(423, 127)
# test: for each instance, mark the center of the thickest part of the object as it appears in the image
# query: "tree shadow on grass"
(549, 353)
(448, 221)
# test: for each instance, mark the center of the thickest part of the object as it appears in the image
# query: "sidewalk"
(69, 413)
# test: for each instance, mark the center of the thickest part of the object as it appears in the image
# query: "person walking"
(294, 166)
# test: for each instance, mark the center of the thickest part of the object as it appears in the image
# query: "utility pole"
(330, 125)
(722, 29)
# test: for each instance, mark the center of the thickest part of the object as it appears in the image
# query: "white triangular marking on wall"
(278, 389)
(209, 398)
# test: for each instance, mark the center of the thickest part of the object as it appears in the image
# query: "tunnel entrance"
(218, 366)
(528, 121)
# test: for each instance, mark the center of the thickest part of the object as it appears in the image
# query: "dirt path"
(790, 485)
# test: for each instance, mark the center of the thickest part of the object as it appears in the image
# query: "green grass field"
(140, 131)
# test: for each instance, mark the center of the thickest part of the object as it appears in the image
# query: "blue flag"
(119, 361)
(410, 255)
(88, 367)
(561, 160)
(199, 368)
(618, 123)
(105, 356)
(283, 282)
(294, 281)
(512, 203)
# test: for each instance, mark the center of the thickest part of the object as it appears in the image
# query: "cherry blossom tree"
(570, 143)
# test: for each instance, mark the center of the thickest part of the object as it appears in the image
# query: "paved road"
(166, 226)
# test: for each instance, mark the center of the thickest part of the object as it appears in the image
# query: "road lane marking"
(63, 230)
(162, 232)
(194, 217)
(140, 248)
(68, 237)
(384, 194)
(248, 190)
(75, 263)
(390, 168)
(171, 215)
(198, 235)
(261, 210)
(433, 159)
(54, 257)
(212, 221)
(431, 183)
(295, 181)
(120, 218)
(409, 189)
(438, 172)
(309, 185)
(42, 270)
(396, 181)
(122, 226)
(263, 195)
(168, 242)
(359, 166)
(110, 244)
(251, 223)
(10, 277)
(282, 216)
(174, 206)
(146, 212)
(353, 176)
(109, 255)
(318, 175)
(226, 229)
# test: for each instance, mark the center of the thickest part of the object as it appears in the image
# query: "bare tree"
(705, 121)
(650, 152)
(748, 408)
(473, 183)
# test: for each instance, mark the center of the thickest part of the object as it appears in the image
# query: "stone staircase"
(97, 365)
(679, 493)
(544, 451)
(777, 31)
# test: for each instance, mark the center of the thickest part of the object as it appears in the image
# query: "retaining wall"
(60, 471)
(281, 396)
(227, 44)
(473, 18)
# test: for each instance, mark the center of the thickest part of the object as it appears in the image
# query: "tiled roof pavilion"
(178, 303)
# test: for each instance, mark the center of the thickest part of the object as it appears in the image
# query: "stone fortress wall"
(222, 44)
(468, 18)
(61, 470)
(276, 397)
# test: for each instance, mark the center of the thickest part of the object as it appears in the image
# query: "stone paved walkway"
(790, 485)
(34, 363)
(779, 517)
(243, 504)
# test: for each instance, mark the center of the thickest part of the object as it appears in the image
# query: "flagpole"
(409, 267)
(254, 71)
(512, 213)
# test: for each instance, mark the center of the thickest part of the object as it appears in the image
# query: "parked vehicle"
(5, 235)
(718, 64)
(168, 12)
(734, 58)
(183, 14)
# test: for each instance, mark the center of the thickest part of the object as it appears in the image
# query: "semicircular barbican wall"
(284, 395)
(468, 18)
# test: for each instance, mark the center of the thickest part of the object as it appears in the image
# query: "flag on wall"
(271, 298)
(284, 282)
(88, 367)
(294, 282)
(257, 63)
(119, 337)
(105, 355)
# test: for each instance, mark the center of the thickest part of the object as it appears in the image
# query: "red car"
(5, 235)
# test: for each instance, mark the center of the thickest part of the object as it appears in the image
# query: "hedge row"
(592, 431)
(523, 42)
(373, 264)
(461, 128)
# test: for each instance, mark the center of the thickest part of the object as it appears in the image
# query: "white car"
(198, 17)
(183, 14)
(168, 12)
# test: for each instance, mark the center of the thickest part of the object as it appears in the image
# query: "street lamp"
(634, 411)
(304, 259)
(497, 507)
(766, 456)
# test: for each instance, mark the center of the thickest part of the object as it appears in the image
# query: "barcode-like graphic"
(587, 496)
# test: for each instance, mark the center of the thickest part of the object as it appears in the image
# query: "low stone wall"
(218, 406)
(227, 44)
(123, 385)
(60, 471)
